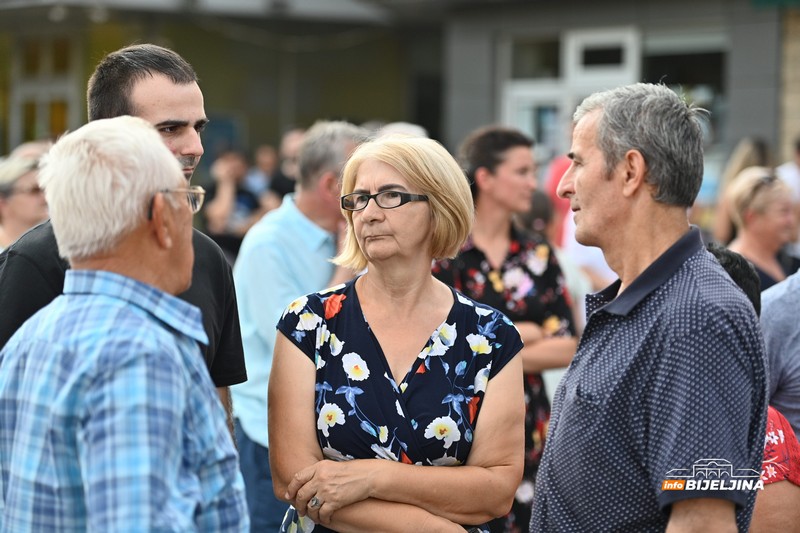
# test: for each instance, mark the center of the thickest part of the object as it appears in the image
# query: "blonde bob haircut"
(754, 188)
(430, 170)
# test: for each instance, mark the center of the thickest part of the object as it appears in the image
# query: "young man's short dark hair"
(109, 89)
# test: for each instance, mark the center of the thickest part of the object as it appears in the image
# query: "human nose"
(533, 182)
(372, 210)
(193, 144)
(566, 185)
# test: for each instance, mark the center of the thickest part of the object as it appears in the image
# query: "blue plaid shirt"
(109, 420)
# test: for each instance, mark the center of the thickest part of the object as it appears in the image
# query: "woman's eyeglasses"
(357, 201)
(194, 196)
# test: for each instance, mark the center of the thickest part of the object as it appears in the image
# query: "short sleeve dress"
(426, 417)
(528, 287)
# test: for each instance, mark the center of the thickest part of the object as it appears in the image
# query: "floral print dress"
(781, 451)
(528, 287)
(426, 417)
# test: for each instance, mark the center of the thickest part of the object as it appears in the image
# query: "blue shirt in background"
(284, 256)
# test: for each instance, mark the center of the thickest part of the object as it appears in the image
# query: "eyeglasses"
(194, 196)
(357, 201)
(32, 190)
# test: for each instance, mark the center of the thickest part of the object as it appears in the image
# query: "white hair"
(402, 128)
(99, 181)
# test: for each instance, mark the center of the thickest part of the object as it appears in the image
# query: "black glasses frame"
(405, 197)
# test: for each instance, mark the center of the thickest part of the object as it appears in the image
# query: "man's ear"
(635, 168)
(161, 221)
(329, 182)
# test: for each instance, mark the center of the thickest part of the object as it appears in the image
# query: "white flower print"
(399, 409)
(445, 460)
(355, 366)
(771, 438)
(303, 525)
(482, 378)
(537, 259)
(308, 321)
(479, 344)
(518, 282)
(329, 415)
(443, 428)
(483, 311)
(322, 335)
(335, 455)
(336, 345)
(383, 434)
(443, 338)
(296, 306)
(463, 299)
(383, 453)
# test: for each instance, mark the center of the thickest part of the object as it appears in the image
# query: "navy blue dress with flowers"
(426, 417)
(528, 287)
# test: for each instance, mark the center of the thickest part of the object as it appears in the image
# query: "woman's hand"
(325, 487)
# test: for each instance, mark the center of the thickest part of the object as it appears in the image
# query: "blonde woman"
(763, 212)
(749, 152)
(395, 403)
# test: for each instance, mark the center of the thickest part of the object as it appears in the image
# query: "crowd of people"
(360, 338)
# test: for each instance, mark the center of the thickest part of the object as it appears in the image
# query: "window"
(45, 89)
(535, 58)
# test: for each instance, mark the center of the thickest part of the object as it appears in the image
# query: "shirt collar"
(309, 232)
(171, 310)
(652, 278)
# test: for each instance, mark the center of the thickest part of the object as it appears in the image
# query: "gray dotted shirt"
(668, 374)
(779, 307)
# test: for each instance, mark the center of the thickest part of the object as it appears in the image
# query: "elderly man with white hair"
(108, 418)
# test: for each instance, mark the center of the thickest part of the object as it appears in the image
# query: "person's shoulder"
(97, 320)
(38, 243)
(702, 288)
(480, 311)
(207, 253)
(272, 232)
(786, 292)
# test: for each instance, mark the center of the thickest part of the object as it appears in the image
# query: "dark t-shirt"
(32, 275)
(281, 184)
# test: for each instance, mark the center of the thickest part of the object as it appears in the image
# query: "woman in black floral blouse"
(518, 274)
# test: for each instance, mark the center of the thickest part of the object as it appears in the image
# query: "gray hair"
(99, 180)
(662, 127)
(12, 169)
(326, 148)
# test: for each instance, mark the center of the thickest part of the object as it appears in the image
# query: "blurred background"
(267, 66)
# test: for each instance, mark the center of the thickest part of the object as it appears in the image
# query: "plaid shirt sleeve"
(130, 443)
